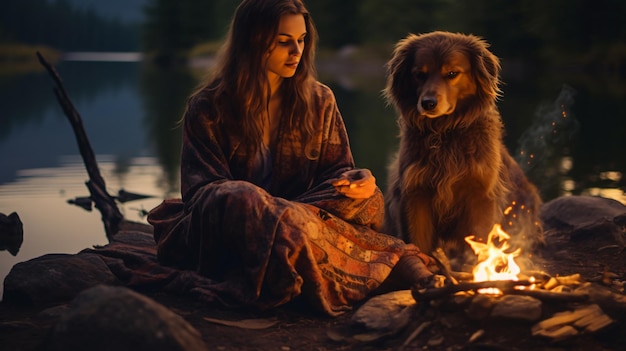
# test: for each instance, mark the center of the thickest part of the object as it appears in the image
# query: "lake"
(570, 127)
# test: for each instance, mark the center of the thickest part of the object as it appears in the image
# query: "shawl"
(292, 236)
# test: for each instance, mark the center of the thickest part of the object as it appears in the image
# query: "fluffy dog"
(452, 176)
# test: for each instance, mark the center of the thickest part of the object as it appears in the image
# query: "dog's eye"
(452, 75)
(421, 75)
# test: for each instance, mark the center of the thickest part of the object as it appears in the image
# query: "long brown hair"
(238, 88)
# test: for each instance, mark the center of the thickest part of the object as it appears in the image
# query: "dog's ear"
(401, 85)
(487, 70)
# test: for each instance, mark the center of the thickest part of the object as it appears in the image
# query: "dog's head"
(442, 75)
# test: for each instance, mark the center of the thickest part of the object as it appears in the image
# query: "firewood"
(594, 321)
(568, 280)
(599, 323)
(477, 335)
(589, 318)
(462, 276)
(434, 293)
(566, 317)
(557, 333)
(545, 295)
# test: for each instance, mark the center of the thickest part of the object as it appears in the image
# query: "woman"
(272, 205)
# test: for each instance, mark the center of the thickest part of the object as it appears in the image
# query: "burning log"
(506, 286)
(435, 293)
(546, 295)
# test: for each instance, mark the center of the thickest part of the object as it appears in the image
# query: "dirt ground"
(449, 329)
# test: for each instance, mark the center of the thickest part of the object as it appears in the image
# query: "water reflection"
(131, 112)
(164, 93)
(103, 56)
(51, 225)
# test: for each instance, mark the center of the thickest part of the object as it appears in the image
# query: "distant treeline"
(559, 31)
(59, 25)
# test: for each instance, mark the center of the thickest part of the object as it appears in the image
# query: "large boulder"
(598, 220)
(55, 278)
(585, 235)
(107, 318)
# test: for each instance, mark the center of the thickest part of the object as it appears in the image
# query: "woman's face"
(286, 51)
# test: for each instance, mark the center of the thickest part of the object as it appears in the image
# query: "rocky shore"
(117, 297)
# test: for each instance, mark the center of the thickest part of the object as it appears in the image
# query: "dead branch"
(111, 215)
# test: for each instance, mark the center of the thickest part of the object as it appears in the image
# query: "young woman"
(272, 207)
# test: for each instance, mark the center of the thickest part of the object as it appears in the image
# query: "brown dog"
(452, 176)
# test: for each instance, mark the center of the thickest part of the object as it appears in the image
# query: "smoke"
(542, 146)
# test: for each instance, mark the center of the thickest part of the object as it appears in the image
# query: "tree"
(337, 22)
(392, 20)
(59, 25)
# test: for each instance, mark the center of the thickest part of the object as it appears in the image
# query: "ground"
(24, 328)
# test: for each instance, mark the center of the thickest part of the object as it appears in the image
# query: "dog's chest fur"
(456, 155)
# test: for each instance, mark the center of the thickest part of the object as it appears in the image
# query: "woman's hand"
(356, 184)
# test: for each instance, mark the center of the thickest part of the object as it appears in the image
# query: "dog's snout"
(429, 103)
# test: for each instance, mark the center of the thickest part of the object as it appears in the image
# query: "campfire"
(570, 293)
(498, 287)
(494, 262)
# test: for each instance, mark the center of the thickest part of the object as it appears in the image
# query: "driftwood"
(111, 215)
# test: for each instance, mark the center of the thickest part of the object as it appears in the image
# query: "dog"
(452, 175)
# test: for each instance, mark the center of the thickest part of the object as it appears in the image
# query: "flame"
(494, 263)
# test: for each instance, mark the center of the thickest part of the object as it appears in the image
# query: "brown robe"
(269, 228)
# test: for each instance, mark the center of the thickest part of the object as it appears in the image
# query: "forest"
(57, 24)
(557, 32)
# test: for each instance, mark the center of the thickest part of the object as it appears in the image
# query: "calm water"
(129, 112)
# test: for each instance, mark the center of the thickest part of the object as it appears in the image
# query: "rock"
(381, 316)
(11, 233)
(577, 218)
(382, 312)
(55, 278)
(480, 307)
(117, 318)
(138, 237)
(516, 307)
(58, 278)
